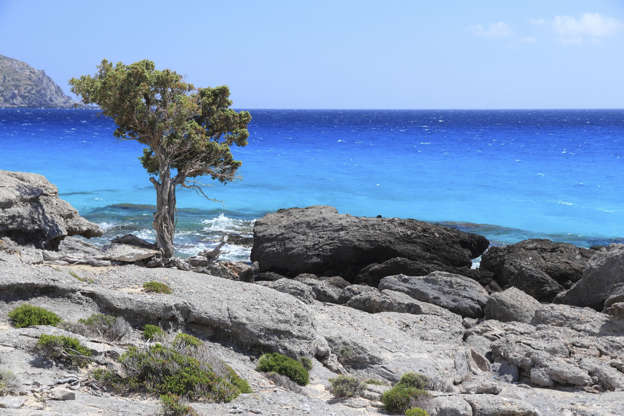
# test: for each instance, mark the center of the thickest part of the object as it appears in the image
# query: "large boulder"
(538, 267)
(459, 294)
(319, 240)
(31, 213)
(511, 305)
(601, 279)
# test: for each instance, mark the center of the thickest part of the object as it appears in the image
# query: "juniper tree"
(187, 131)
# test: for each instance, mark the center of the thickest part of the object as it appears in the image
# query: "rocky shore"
(537, 329)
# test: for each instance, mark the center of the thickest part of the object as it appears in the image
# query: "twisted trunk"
(164, 217)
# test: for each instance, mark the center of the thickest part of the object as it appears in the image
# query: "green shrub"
(400, 398)
(307, 363)
(151, 332)
(172, 405)
(375, 382)
(284, 365)
(238, 381)
(190, 373)
(416, 411)
(156, 287)
(28, 315)
(186, 340)
(414, 380)
(66, 350)
(8, 382)
(345, 386)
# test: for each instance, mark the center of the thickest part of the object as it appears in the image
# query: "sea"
(508, 175)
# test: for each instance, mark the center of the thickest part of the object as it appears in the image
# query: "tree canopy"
(187, 131)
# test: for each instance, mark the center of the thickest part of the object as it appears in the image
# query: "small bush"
(66, 350)
(284, 365)
(414, 380)
(375, 382)
(400, 398)
(172, 405)
(105, 326)
(238, 381)
(416, 411)
(156, 287)
(151, 332)
(186, 341)
(8, 382)
(307, 363)
(28, 315)
(345, 386)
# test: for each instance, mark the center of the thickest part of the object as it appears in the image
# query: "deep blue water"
(555, 174)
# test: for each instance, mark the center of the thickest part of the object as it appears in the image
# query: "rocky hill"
(24, 86)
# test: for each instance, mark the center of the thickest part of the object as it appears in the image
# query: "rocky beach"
(537, 329)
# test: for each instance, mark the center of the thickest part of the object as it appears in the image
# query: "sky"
(347, 54)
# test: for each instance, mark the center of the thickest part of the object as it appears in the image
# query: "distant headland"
(21, 85)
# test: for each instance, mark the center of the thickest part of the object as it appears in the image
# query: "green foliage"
(407, 393)
(345, 386)
(163, 370)
(67, 350)
(284, 365)
(28, 315)
(416, 411)
(8, 382)
(307, 363)
(187, 131)
(172, 405)
(414, 380)
(238, 381)
(186, 340)
(156, 287)
(375, 381)
(151, 332)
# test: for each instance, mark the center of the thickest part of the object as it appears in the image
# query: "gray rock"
(511, 305)
(449, 406)
(583, 320)
(459, 294)
(492, 405)
(375, 301)
(616, 296)
(602, 277)
(31, 213)
(62, 394)
(616, 310)
(323, 290)
(354, 290)
(319, 240)
(11, 402)
(133, 240)
(267, 276)
(129, 254)
(297, 289)
(373, 273)
(540, 268)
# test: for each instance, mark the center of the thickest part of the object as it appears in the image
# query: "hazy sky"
(342, 54)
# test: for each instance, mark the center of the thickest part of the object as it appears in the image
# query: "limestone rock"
(511, 305)
(297, 289)
(319, 240)
(459, 294)
(31, 213)
(125, 253)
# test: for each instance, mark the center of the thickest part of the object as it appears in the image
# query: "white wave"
(105, 226)
(224, 224)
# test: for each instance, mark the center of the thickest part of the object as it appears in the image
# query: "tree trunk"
(164, 217)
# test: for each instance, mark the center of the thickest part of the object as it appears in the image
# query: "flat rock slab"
(459, 294)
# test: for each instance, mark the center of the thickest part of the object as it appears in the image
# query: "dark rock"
(355, 290)
(456, 293)
(376, 301)
(133, 240)
(31, 213)
(602, 277)
(323, 290)
(373, 273)
(511, 305)
(268, 276)
(319, 240)
(616, 296)
(540, 268)
(337, 281)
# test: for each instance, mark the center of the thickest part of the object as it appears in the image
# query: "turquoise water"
(555, 174)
